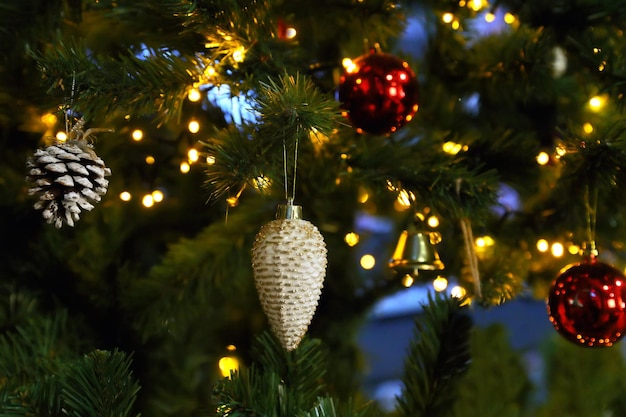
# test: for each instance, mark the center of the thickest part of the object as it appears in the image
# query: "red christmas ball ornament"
(378, 93)
(587, 303)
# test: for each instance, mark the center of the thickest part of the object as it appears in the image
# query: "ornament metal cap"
(416, 251)
(589, 250)
(288, 211)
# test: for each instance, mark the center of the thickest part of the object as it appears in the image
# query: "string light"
(363, 196)
(447, 17)
(367, 261)
(542, 245)
(228, 364)
(150, 160)
(137, 135)
(61, 136)
(458, 291)
(573, 249)
(209, 71)
(193, 126)
(542, 158)
(352, 239)
(452, 148)
(233, 201)
(587, 128)
(557, 249)
(239, 54)
(596, 103)
(290, 33)
(476, 5)
(405, 198)
(125, 196)
(509, 18)
(49, 120)
(490, 17)
(185, 167)
(407, 280)
(433, 221)
(192, 155)
(348, 65)
(157, 196)
(194, 95)
(210, 159)
(440, 283)
(147, 200)
(456, 25)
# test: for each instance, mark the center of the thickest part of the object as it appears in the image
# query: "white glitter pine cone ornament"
(68, 177)
(289, 265)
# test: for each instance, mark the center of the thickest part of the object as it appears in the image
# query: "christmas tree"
(190, 193)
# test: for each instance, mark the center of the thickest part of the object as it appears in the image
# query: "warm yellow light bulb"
(61, 136)
(228, 364)
(209, 71)
(596, 103)
(352, 239)
(193, 126)
(542, 245)
(475, 5)
(291, 33)
(509, 18)
(407, 280)
(573, 249)
(137, 135)
(150, 160)
(348, 65)
(147, 200)
(125, 196)
(542, 158)
(405, 198)
(452, 148)
(367, 261)
(447, 17)
(233, 201)
(210, 159)
(239, 54)
(185, 167)
(157, 196)
(194, 95)
(193, 155)
(433, 221)
(588, 128)
(458, 292)
(49, 120)
(490, 17)
(557, 250)
(440, 283)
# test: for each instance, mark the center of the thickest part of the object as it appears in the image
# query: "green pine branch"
(438, 354)
(282, 384)
(116, 85)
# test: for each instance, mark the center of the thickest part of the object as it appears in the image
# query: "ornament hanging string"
(295, 168)
(591, 207)
(470, 250)
(75, 131)
(68, 122)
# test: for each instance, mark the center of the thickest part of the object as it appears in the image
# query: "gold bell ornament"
(289, 266)
(416, 252)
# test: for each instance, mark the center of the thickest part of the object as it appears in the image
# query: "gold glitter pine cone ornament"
(289, 265)
(68, 177)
